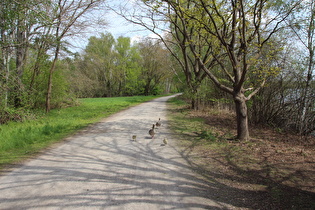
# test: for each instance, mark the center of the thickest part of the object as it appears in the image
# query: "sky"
(120, 27)
(116, 25)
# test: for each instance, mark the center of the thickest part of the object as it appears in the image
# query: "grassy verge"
(271, 171)
(19, 140)
(193, 129)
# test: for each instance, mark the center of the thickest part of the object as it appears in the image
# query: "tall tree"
(302, 24)
(19, 22)
(243, 29)
(175, 39)
(155, 64)
(99, 60)
(66, 15)
(127, 66)
(237, 31)
(6, 51)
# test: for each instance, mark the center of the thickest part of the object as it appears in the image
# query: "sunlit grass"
(19, 140)
(192, 130)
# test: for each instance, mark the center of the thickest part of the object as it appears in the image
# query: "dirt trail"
(102, 168)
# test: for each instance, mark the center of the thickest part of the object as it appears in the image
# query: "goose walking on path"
(152, 131)
(158, 123)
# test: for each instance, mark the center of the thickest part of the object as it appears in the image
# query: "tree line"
(109, 67)
(39, 71)
(32, 37)
(258, 55)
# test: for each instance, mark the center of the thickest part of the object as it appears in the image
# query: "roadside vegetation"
(246, 69)
(20, 140)
(272, 170)
(255, 56)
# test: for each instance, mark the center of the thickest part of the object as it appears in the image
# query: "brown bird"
(134, 137)
(158, 123)
(152, 131)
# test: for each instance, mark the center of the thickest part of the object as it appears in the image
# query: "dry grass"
(276, 169)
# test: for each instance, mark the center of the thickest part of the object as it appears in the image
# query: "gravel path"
(102, 168)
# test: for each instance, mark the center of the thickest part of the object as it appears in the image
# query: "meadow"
(21, 140)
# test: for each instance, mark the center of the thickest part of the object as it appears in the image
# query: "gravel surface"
(103, 168)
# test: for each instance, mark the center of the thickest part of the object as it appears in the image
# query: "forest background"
(255, 58)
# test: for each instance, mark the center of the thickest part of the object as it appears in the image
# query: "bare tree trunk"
(21, 50)
(6, 55)
(6, 71)
(147, 87)
(50, 78)
(195, 99)
(39, 59)
(241, 117)
(303, 127)
(49, 89)
(68, 13)
(35, 71)
(109, 88)
(305, 99)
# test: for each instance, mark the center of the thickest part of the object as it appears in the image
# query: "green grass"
(20, 140)
(192, 130)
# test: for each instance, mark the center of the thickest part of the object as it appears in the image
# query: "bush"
(10, 115)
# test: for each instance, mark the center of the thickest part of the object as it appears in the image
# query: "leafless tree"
(67, 16)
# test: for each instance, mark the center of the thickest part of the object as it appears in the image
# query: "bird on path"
(152, 131)
(165, 141)
(134, 137)
(158, 123)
